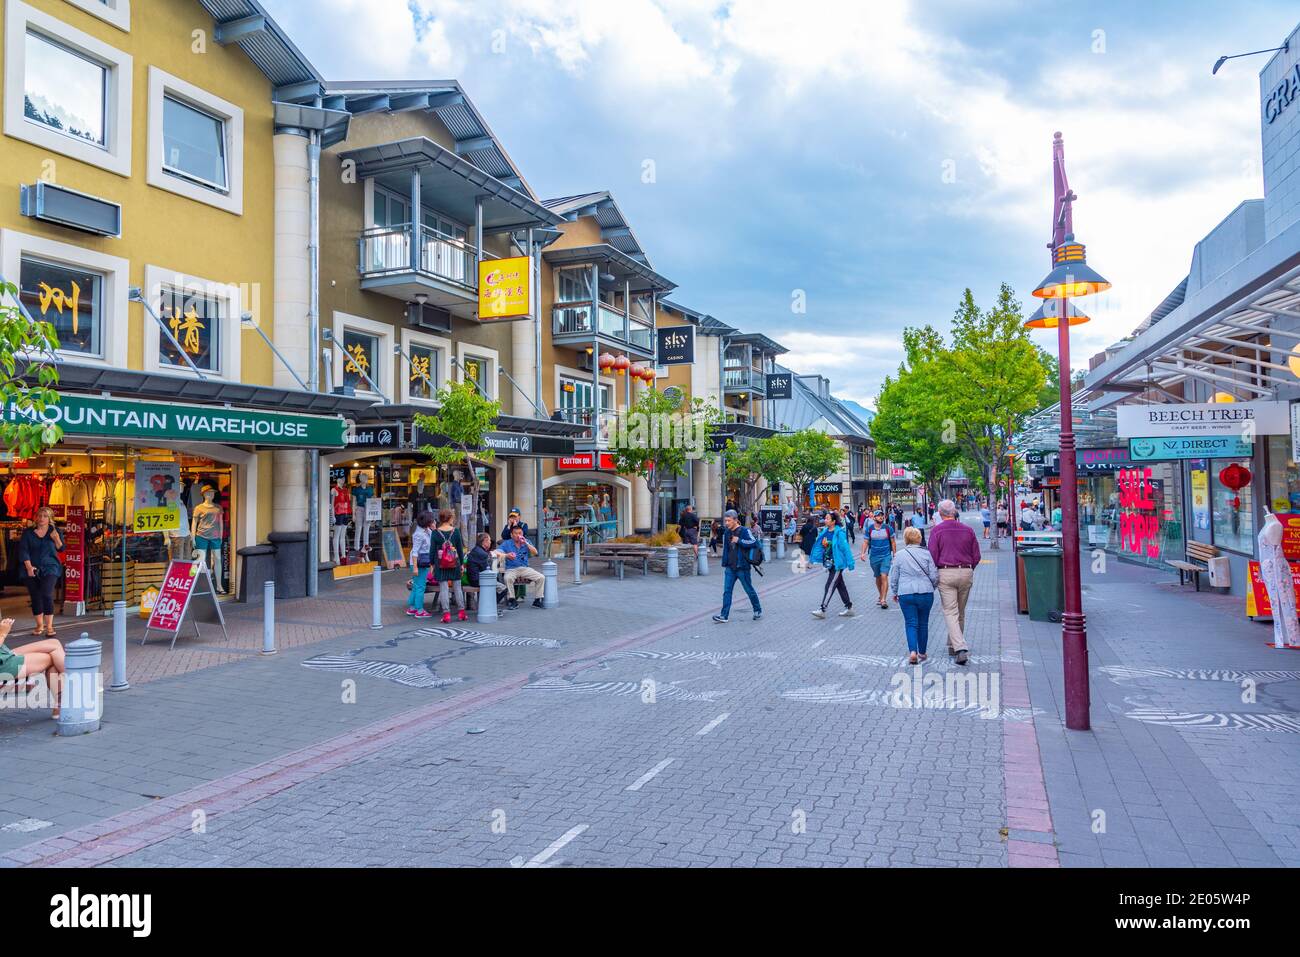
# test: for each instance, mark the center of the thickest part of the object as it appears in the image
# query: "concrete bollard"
(577, 562)
(376, 600)
(670, 563)
(780, 547)
(268, 618)
(487, 596)
(767, 548)
(701, 560)
(119, 648)
(82, 697)
(551, 591)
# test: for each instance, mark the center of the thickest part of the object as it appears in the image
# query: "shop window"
(70, 299)
(362, 356)
(1283, 476)
(423, 373)
(65, 90)
(1231, 510)
(195, 321)
(478, 369)
(194, 144)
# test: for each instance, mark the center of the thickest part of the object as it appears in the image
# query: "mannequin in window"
(178, 539)
(361, 494)
(1276, 572)
(341, 506)
(208, 527)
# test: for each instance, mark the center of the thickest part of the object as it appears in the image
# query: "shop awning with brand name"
(514, 435)
(139, 422)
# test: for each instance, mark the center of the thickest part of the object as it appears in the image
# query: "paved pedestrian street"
(626, 728)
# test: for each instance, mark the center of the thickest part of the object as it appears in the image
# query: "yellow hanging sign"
(504, 288)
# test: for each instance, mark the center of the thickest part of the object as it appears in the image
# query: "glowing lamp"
(1071, 275)
(1048, 315)
(1222, 397)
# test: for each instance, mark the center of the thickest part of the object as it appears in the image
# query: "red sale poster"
(174, 598)
(74, 554)
(1257, 603)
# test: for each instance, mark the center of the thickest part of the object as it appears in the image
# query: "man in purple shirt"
(956, 551)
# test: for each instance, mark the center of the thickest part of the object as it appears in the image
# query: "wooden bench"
(1198, 557)
(618, 561)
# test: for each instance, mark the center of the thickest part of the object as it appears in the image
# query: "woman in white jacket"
(913, 578)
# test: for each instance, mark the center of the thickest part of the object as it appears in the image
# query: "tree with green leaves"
(911, 427)
(657, 436)
(464, 417)
(992, 376)
(759, 461)
(27, 362)
(813, 455)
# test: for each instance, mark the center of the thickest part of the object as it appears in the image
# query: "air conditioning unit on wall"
(430, 318)
(585, 361)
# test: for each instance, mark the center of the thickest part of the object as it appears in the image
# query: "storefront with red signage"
(584, 500)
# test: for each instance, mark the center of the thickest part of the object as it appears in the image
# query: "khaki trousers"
(531, 577)
(954, 589)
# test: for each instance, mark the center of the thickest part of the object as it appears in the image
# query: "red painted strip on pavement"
(1024, 792)
(134, 830)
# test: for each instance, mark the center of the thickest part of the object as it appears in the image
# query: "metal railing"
(387, 249)
(585, 415)
(574, 318)
(743, 378)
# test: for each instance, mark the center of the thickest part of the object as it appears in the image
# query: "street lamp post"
(1071, 276)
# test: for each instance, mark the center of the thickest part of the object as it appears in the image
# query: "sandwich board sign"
(180, 586)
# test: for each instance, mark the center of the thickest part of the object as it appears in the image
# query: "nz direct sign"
(1215, 447)
(133, 419)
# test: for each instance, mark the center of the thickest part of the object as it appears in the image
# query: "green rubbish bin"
(1044, 582)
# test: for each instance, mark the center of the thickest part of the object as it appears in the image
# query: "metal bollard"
(119, 648)
(82, 697)
(670, 565)
(487, 595)
(551, 591)
(767, 548)
(577, 562)
(780, 547)
(376, 600)
(701, 560)
(268, 618)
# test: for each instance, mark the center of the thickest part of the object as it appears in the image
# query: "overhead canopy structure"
(639, 276)
(614, 226)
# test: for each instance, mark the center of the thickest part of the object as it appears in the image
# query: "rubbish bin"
(1044, 582)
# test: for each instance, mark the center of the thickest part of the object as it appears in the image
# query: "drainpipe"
(313, 355)
(536, 286)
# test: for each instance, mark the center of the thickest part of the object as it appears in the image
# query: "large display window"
(1232, 513)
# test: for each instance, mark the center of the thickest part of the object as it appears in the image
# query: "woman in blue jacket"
(833, 551)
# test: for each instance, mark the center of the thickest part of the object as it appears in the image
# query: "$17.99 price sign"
(174, 598)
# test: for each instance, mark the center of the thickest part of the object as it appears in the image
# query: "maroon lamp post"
(1071, 276)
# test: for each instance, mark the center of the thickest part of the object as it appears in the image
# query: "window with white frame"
(195, 320)
(66, 91)
(423, 371)
(116, 12)
(362, 359)
(478, 369)
(196, 143)
(82, 293)
(366, 347)
(69, 298)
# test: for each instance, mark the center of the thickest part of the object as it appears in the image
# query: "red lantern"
(621, 364)
(1235, 477)
(649, 375)
(606, 362)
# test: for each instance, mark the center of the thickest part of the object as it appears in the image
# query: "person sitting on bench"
(17, 664)
(517, 551)
(479, 560)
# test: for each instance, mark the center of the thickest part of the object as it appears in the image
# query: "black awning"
(504, 423)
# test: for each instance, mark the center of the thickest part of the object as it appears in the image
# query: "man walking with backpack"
(738, 555)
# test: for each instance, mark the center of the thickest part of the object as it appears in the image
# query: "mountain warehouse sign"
(133, 419)
(1242, 419)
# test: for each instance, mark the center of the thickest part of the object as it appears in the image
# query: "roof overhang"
(1211, 337)
(456, 182)
(176, 388)
(639, 276)
(504, 423)
(759, 341)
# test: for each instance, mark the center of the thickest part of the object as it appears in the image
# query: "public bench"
(1197, 561)
(618, 560)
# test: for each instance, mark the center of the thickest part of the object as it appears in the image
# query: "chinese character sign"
(504, 290)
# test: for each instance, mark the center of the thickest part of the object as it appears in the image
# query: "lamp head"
(1071, 276)
(1218, 63)
(1048, 315)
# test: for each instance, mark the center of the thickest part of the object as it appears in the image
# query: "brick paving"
(651, 736)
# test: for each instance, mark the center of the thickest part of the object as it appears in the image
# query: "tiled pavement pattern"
(808, 766)
(1171, 794)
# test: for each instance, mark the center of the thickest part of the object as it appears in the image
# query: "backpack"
(447, 553)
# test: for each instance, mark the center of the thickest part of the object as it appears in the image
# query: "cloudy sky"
(871, 159)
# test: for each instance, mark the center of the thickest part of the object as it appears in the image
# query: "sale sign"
(1290, 534)
(1257, 603)
(157, 491)
(1139, 518)
(74, 554)
(178, 586)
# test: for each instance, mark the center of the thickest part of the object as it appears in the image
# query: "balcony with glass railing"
(606, 424)
(743, 379)
(572, 324)
(385, 252)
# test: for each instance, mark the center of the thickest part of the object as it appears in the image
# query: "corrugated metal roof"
(270, 50)
(608, 217)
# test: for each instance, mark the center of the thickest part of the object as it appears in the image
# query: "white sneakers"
(847, 613)
(819, 613)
